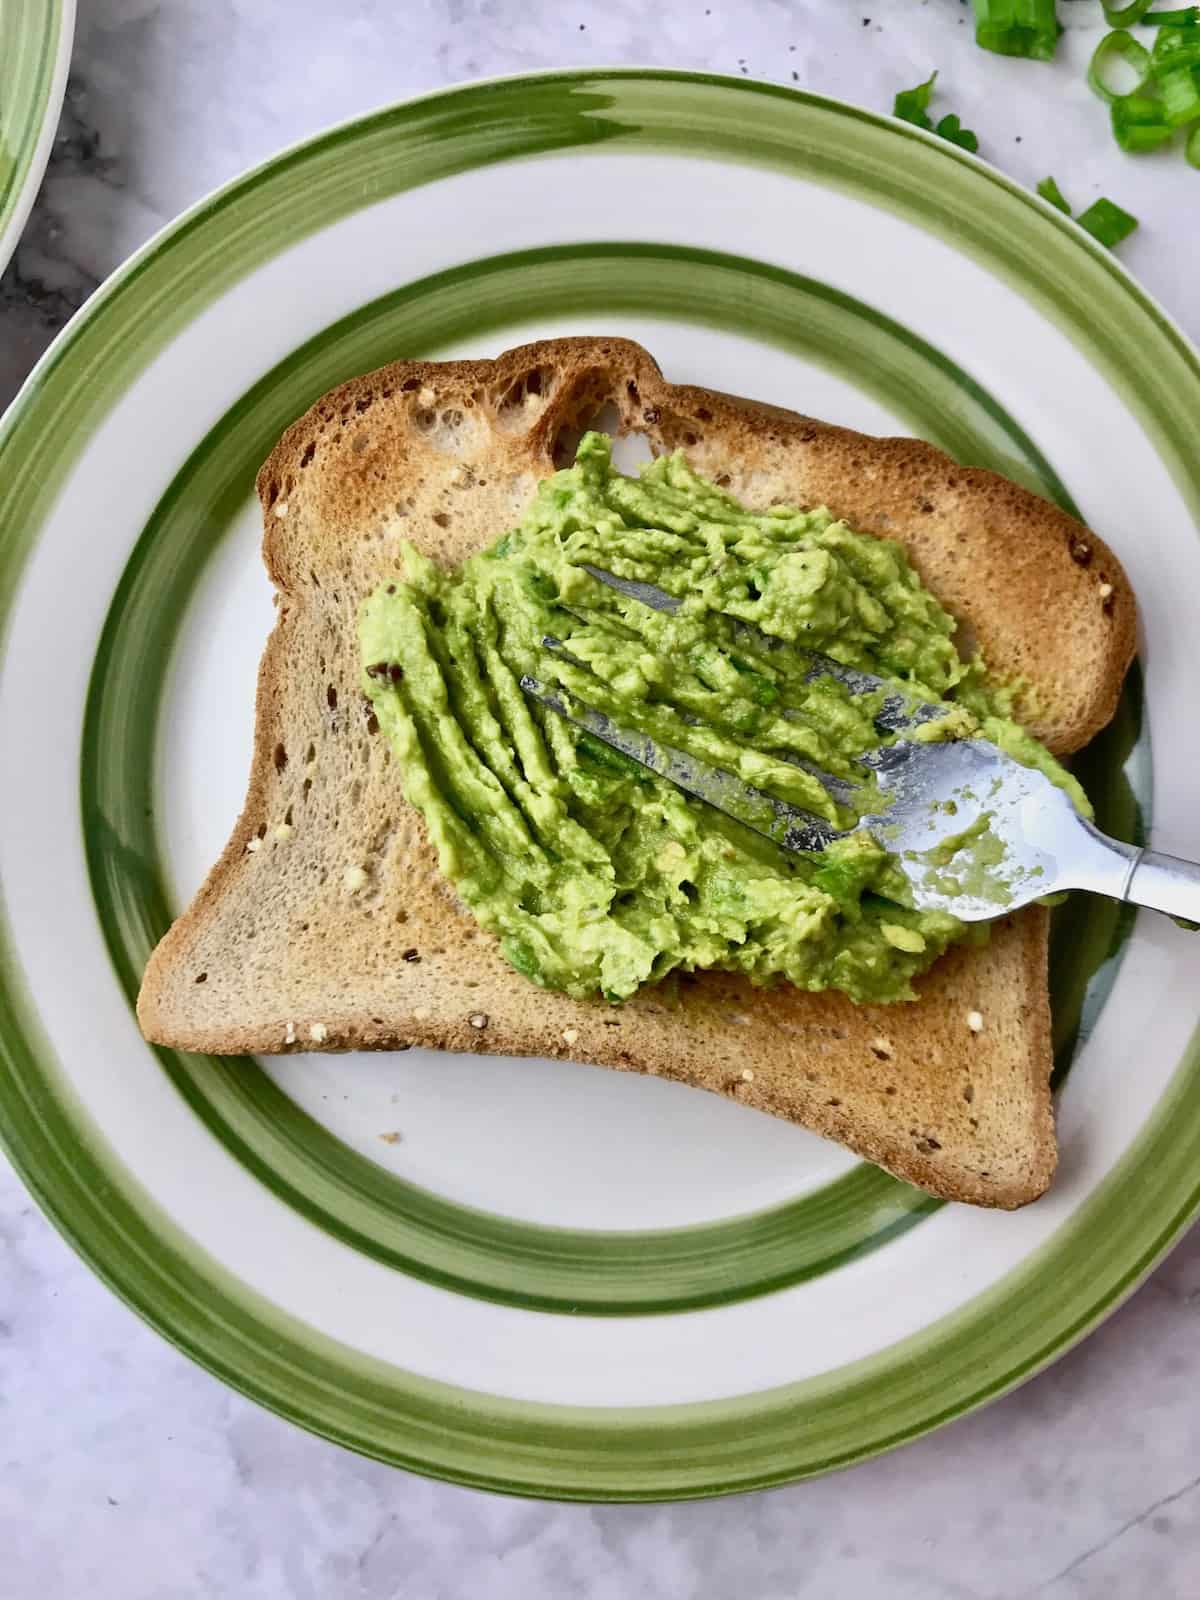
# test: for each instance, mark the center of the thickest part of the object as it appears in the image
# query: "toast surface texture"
(326, 923)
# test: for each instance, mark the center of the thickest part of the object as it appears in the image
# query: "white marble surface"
(124, 1470)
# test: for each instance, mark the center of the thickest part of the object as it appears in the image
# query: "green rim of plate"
(33, 60)
(499, 1258)
(1002, 1336)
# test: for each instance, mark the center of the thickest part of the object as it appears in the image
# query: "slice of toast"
(326, 923)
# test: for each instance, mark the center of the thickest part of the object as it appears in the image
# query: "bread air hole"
(630, 450)
(520, 405)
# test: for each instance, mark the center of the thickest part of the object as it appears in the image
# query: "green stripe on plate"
(32, 32)
(589, 1453)
(854, 1411)
(351, 1197)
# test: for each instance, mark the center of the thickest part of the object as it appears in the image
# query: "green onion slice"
(1180, 91)
(1107, 222)
(1139, 123)
(1017, 27)
(1114, 47)
(911, 105)
(951, 128)
(1192, 148)
(1123, 16)
(1175, 47)
(1049, 190)
(1185, 17)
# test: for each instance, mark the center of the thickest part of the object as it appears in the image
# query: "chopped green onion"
(1017, 27)
(910, 105)
(1187, 17)
(1180, 91)
(1138, 123)
(1122, 16)
(1192, 148)
(1175, 47)
(1103, 219)
(951, 128)
(1107, 222)
(1118, 46)
(1049, 190)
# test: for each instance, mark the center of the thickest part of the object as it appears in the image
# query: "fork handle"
(1165, 883)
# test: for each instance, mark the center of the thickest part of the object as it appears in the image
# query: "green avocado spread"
(596, 875)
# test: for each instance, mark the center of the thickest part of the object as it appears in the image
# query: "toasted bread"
(306, 931)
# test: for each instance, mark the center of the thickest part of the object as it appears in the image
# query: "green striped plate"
(534, 1276)
(35, 53)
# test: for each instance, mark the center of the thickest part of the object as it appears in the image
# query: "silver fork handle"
(1165, 883)
(1141, 877)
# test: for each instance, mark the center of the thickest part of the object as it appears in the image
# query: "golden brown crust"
(326, 924)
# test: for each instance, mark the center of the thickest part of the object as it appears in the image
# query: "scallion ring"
(1180, 92)
(1124, 16)
(1118, 46)
(1175, 47)
(1139, 123)
(1018, 27)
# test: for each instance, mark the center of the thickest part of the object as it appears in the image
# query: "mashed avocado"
(596, 875)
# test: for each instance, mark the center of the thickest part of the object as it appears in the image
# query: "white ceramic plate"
(35, 55)
(560, 1281)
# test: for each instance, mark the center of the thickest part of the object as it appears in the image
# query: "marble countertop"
(125, 1470)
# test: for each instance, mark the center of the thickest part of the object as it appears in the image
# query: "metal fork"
(975, 833)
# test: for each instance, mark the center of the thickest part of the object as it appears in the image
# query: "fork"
(975, 833)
